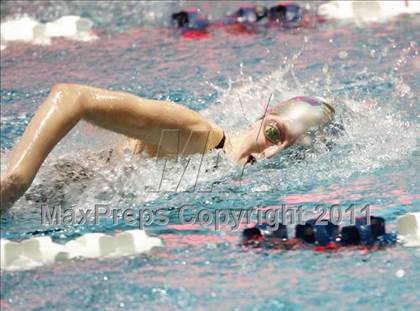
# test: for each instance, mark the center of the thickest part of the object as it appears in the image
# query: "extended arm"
(120, 112)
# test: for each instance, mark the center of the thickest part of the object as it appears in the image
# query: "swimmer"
(158, 128)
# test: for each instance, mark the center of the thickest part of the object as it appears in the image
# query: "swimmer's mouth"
(251, 160)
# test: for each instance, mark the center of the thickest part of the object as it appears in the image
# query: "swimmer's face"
(267, 137)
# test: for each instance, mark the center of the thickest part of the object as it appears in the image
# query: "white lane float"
(91, 245)
(368, 11)
(27, 29)
(9, 251)
(41, 251)
(24, 29)
(70, 26)
(408, 227)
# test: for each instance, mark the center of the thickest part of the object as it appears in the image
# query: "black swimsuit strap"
(221, 144)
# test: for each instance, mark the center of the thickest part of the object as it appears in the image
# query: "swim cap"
(304, 112)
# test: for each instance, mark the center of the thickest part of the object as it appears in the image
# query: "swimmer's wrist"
(12, 187)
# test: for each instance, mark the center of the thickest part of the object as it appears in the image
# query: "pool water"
(370, 73)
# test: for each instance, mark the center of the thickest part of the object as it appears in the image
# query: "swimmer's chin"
(249, 160)
(266, 155)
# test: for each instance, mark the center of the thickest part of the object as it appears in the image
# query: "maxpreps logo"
(230, 219)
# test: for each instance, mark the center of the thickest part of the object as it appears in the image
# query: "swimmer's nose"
(272, 151)
(268, 153)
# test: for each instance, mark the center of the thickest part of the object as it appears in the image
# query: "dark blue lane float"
(248, 18)
(283, 15)
(322, 236)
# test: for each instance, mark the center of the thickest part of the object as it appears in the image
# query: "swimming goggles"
(272, 133)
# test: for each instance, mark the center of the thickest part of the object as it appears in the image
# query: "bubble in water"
(342, 55)
(373, 53)
(400, 273)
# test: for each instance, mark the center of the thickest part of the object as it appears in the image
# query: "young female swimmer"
(159, 128)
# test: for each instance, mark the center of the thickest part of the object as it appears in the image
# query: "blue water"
(371, 73)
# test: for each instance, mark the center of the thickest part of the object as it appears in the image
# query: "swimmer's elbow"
(67, 87)
(71, 90)
(70, 97)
